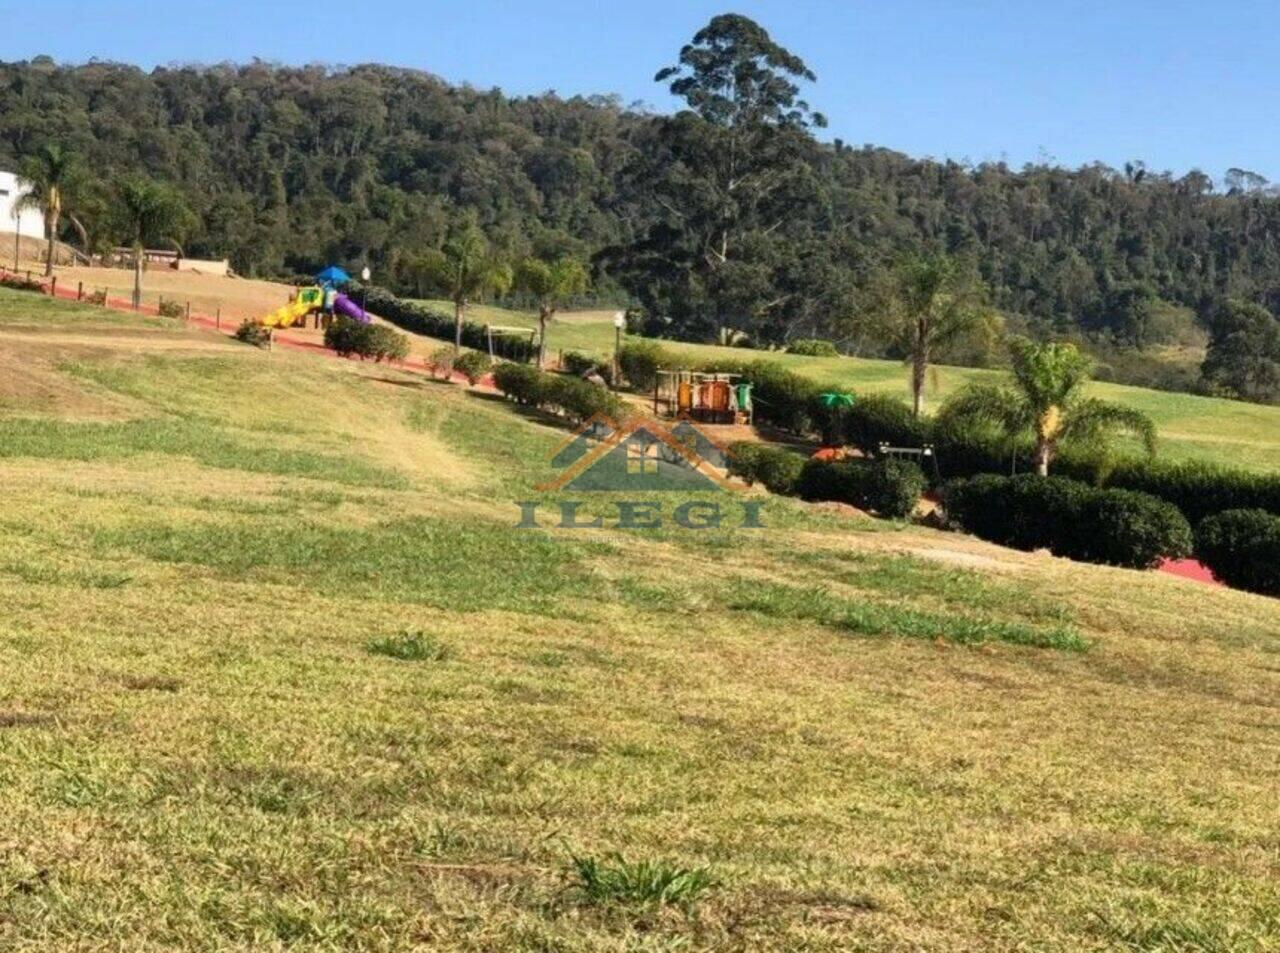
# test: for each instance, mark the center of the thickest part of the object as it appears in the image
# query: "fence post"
(80, 291)
(188, 310)
(53, 287)
(217, 319)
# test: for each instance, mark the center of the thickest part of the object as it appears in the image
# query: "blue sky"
(1180, 85)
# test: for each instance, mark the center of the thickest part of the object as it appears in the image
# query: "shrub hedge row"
(1242, 547)
(420, 319)
(792, 402)
(812, 347)
(890, 488)
(572, 397)
(1069, 518)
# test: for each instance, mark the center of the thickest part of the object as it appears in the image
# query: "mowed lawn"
(1191, 427)
(277, 669)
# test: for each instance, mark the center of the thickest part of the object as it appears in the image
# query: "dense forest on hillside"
(288, 168)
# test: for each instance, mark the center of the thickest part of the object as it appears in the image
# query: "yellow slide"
(308, 300)
(287, 316)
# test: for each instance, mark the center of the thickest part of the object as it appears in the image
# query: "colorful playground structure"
(322, 299)
(708, 397)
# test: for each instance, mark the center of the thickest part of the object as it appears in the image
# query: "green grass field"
(1191, 427)
(278, 670)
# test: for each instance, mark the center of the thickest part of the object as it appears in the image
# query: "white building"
(30, 223)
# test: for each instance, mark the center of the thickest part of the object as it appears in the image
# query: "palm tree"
(931, 301)
(464, 268)
(1047, 401)
(150, 213)
(550, 283)
(48, 180)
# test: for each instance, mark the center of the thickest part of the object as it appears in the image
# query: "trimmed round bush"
(1044, 512)
(978, 506)
(578, 364)
(1126, 528)
(440, 363)
(1242, 547)
(775, 468)
(386, 344)
(349, 337)
(580, 400)
(893, 488)
(520, 382)
(473, 365)
(840, 481)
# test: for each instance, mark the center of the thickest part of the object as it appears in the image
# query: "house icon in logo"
(641, 454)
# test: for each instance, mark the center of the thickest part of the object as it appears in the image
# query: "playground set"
(708, 397)
(322, 299)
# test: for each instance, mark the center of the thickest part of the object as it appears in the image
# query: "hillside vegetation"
(287, 169)
(1191, 427)
(277, 669)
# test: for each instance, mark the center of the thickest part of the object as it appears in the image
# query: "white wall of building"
(30, 224)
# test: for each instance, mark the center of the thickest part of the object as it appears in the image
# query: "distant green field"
(1191, 427)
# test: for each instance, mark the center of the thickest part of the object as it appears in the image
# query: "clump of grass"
(613, 879)
(792, 602)
(409, 646)
(151, 683)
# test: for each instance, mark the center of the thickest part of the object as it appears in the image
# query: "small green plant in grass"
(409, 646)
(613, 879)
(170, 309)
(98, 297)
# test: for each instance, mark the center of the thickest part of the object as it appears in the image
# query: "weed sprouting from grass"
(409, 646)
(864, 618)
(613, 879)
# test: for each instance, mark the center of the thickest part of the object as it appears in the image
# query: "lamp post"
(619, 322)
(365, 275)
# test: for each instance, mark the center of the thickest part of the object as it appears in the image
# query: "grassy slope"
(1192, 427)
(196, 748)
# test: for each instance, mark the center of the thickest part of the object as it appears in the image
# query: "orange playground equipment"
(709, 397)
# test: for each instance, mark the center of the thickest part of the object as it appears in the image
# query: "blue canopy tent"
(333, 275)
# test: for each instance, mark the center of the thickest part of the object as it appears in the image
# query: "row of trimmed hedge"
(792, 402)
(890, 488)
(573, 397)
(1242, 547)
(420, 319)
(1069, 518)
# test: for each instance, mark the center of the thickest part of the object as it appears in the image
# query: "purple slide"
(344, 305)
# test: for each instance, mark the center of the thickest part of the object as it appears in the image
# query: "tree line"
(731, 218)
